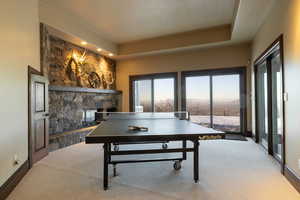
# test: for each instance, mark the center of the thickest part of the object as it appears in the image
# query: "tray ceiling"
(128, 20)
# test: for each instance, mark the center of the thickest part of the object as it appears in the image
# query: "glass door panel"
(262, 103)
(277, 105)
(226, 102)
(142, 95)
(164, 95)
(198, 99)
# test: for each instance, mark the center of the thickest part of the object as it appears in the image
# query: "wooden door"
(39, 118)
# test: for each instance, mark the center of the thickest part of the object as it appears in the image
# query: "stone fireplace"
(80, 83)
(70, 110)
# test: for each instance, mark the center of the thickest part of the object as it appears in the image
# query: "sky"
(225, 87)
(163, 89)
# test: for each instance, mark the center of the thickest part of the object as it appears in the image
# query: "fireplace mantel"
(80, 89)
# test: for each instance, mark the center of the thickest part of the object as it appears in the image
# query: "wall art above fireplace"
(67, 64)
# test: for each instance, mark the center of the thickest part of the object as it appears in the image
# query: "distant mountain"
(222, 108)
(202, 101)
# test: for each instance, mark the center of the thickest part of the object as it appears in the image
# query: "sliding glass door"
(262, 104)
(154, 93)
(198, 99)
(277, 105)
(216, 98)
(143, 95)
(269, 102)
(164, 93)
(226, 102)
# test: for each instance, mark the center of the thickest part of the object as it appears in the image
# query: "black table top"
(161, 126)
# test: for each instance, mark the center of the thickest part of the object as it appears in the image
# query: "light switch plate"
(285, 96)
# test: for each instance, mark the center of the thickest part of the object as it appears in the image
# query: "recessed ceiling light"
(110, 54)
(83, 42)
(99, 49)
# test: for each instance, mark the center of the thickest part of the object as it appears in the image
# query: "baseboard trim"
(13, 181)
(292, 178)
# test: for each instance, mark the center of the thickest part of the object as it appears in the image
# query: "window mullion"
(152, 94)
(211, 100)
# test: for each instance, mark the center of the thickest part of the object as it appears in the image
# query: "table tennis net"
(182, 115)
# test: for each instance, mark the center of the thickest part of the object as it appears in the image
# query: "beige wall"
(19, 38)
(217, 57)
(285, 19)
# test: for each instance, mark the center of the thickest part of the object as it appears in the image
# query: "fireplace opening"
(99, 114)
(88, 117)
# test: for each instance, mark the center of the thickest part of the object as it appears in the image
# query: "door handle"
(46, 115)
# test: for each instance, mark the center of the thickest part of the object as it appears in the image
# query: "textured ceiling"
(128, 20)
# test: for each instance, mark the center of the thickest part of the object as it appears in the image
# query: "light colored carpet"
(229, 170)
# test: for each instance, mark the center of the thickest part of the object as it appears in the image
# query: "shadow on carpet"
(235, 137)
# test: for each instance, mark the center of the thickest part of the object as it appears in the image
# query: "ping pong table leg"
(105, 166)
(109, 150)
(196, 160)
(184, 146)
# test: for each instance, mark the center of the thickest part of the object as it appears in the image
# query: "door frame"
(151, 77)
(263, 57)
(221, 71)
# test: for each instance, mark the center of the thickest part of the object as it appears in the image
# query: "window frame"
(151, 77)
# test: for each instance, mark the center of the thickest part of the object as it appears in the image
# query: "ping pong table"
(161, 127)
